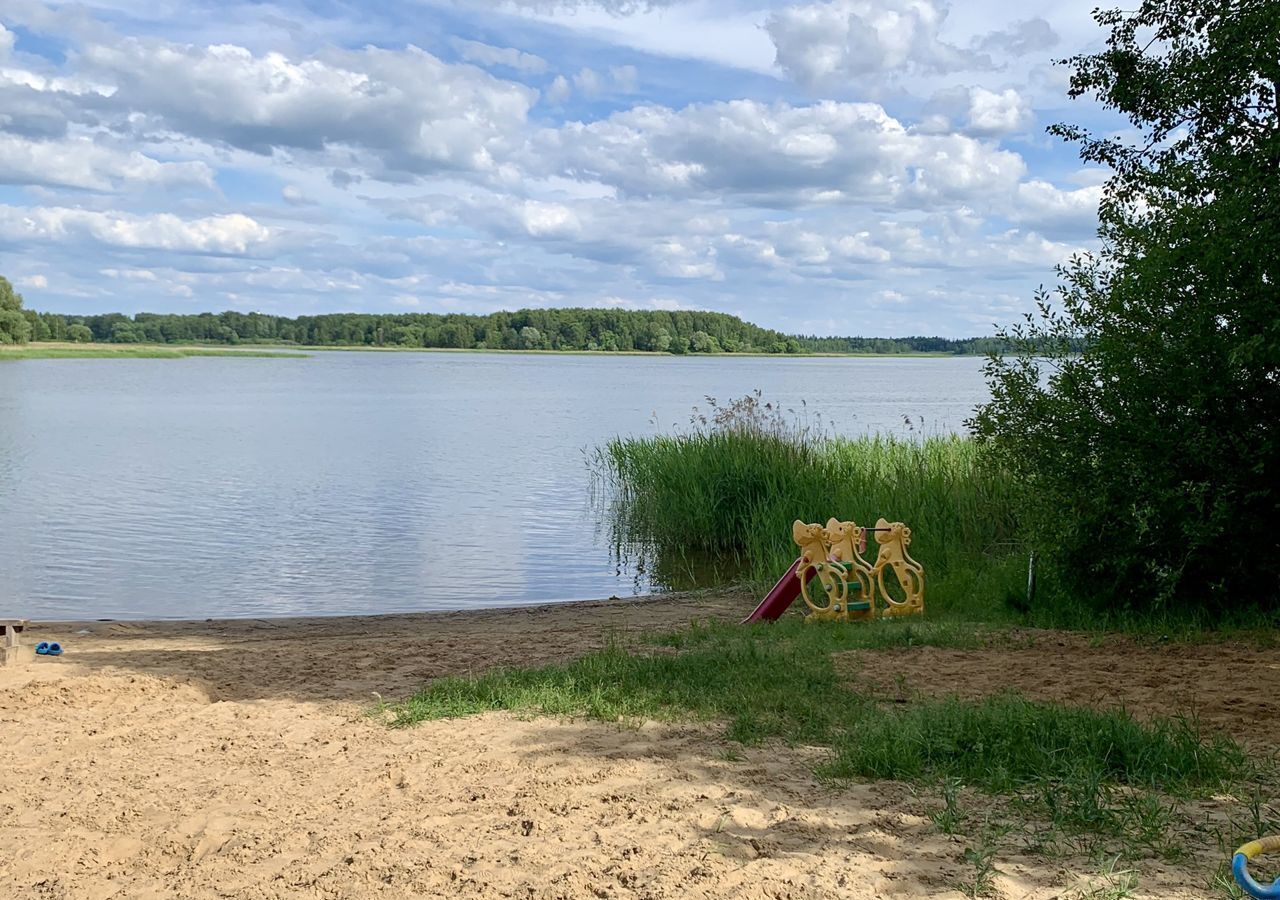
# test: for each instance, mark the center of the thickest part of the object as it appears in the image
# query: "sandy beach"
(246, 759)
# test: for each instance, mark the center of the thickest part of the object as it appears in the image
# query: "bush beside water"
(723, 495)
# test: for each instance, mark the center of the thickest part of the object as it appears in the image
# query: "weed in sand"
(1116, 884)
(949, 819)
(982, 856)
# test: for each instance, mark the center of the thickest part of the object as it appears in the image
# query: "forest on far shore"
(656, 331)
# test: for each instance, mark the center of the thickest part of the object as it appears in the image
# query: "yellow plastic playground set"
(851, 587)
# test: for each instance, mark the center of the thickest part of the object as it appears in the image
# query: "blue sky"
(873, 167)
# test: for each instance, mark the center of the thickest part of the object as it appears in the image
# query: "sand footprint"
(211, 832)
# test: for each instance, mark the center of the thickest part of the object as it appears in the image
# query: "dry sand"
(237, 760)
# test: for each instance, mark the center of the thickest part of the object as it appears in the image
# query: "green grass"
(778, 681)
(131, 351)
(1091, 777)
(717, 504)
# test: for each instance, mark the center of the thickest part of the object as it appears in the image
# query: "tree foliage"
(14, 327)
(1150, 457)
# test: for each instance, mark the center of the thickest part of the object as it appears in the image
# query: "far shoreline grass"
(59, 350)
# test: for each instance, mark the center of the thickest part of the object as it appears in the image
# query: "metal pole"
(1031, 579)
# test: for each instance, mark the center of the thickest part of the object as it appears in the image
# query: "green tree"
(406, 335)
(1151, 457)
(530, 338)
(701, 342)
(126, 333)
(14, 327)
(79, 334)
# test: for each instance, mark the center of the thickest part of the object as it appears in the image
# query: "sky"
(851, 167)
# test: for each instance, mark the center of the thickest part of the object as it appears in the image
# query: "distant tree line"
(978, 345)
(655, 331)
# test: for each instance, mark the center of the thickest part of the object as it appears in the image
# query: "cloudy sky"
(872, 167)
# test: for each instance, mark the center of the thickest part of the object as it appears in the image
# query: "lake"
(353, 482)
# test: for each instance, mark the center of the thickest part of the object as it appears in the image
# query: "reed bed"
(718, 502)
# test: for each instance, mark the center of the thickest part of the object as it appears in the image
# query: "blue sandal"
(55, 649)
(42, 648)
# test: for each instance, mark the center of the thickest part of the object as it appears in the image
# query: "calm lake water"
(364, 482)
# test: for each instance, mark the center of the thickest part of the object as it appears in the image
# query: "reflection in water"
(361, 482)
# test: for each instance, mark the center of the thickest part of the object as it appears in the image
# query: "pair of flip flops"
(48, 648)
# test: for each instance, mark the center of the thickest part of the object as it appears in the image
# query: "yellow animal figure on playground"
(815, 565)
(893, 539)
(845, 540)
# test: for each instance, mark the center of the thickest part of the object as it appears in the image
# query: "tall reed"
(726, 492)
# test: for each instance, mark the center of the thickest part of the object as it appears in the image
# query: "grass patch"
(1011, 775)
(1009, 772)
(780, 683)
(130, 351)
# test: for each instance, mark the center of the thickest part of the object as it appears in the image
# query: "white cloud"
(83, 163)
(625, 78)
(575, 7)
(888, 295)
(559, 91)
(229, 234)
(548, 219)
(819, 43)
(589, 82)
(993, 113)
(1047, 207)
(706, 30)
(779, 155)
(32, 281)
(295, 196)
(131, 274)
(667, 304)
(414, 113)
(977, 111)
(1020, 38)
(489, 55)
(618, 80)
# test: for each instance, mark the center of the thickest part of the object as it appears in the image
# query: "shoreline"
(106, 350)
(391, 618)
(348, 659)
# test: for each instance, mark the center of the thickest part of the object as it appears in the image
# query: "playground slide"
(781, 596)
